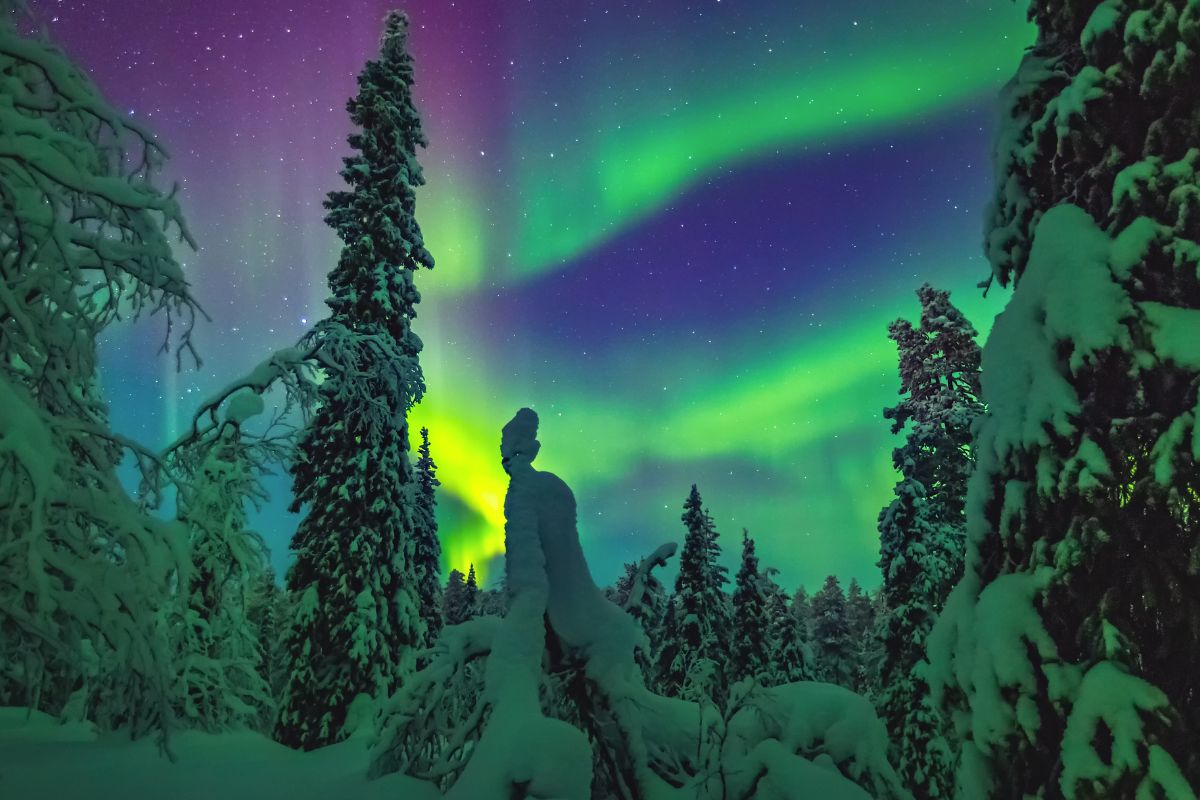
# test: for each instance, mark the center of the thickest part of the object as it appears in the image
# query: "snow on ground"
(41, 759)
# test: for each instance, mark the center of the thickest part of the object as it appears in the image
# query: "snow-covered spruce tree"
(749, 652)
(85, 239)
(221, 667)
(802, 608)
(860, 619)
(922, 531)
(618, 740)
(831, 635)
(697, 642)
(357, 618)
(265, 609)
(455, 606)
(426, 547)
(471, 593)
(790, 658)
(619, 592)
(1069, 645)
(643, 596)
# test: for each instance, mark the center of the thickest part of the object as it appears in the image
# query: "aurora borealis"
(677, 230)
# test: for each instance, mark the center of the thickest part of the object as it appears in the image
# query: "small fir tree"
(471, 593)
(790, 657)
(831, 635)
(860, 616)
(643, 596)
(455, 607)
(749, 655)
(619, 592)
(265, 609)
(802, 608)
(221, 662)
(427, 549)
(698, 637)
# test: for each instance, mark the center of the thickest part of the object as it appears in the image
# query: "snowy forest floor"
(42, 759)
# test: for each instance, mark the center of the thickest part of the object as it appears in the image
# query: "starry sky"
(677, 230)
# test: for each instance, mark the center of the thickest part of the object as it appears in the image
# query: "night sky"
(676, 230)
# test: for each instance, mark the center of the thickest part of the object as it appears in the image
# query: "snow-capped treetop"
(376, 217)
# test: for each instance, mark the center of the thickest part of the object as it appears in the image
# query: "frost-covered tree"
(455, 607)
(697, 642)
(834, 650)
(1067, 647)
(471, 593)
(266, 606)
(749, 652)
(860, 619)
(221, 667)
(619, 592)
(357, 619)
(802, 608)
(491, 602)
(643, 596)
(85, 240)
(790, 657)
(922, 531)
(426, 547)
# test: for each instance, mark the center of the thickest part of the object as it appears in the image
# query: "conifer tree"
(471, 593)
(790, 657)
(662, 679)
(357, 617)
(1063, 646)
(642, 595)
(455, 607)
(802, 608)
(860, 618)
(749, 655)
(697, 640)
(265, 609)
(922, 530)
(621, 589)
(831, 635)
(427, 549)
(221, 660)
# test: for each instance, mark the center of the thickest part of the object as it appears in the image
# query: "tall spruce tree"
(831, 635)
(749, 653)
(1069, 643)
(357, 618)
(922, 531)
(427, 548)
(697, 641)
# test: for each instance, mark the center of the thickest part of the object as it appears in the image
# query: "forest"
(1035, 632)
